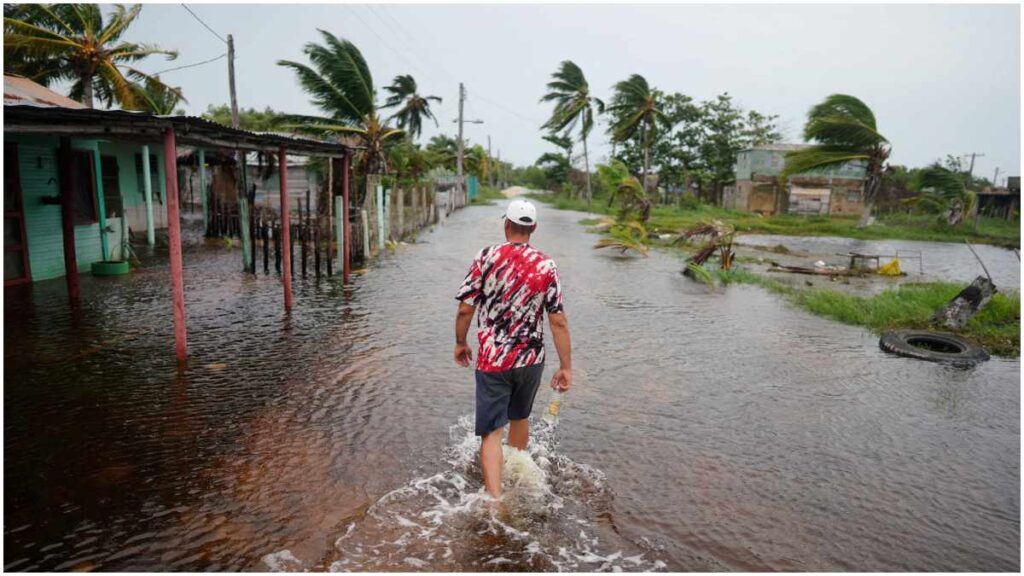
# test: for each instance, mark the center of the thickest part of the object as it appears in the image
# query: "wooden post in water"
(366, 236)
(266, 247)
(316, 250)
(304, 233)
(285, 232)
(65, 159)
(277, 247)
(174, 238)
(147, 186)
(344, 218)
(202, 187)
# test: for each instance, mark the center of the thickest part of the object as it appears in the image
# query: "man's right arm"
(562, 379)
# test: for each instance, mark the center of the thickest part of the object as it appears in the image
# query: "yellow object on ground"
(891, 269)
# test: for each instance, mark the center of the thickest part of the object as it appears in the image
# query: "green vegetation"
(925, 227)
(574, 104)
(50, 43)
(413, 108)
(844, 130)
(485, 196)
(997, 327)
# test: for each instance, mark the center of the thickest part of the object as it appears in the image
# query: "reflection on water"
(706, 431)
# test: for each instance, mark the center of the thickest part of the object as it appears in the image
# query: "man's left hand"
(463, 355)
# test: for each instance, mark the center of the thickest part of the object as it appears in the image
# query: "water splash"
(446, 521)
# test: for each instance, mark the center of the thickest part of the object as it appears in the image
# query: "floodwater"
(948, 261)
(706, 431)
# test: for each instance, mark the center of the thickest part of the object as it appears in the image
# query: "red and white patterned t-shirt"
(511, 286)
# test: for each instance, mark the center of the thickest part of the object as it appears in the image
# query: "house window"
(154, 176)
(84, 187)
(111, 186)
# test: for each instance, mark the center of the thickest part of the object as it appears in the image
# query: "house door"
(16, 268)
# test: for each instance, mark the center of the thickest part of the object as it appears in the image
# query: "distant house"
(833, 191)
(1001, 202)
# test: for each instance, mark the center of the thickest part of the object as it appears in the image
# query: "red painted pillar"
(174, 237)
(286, 246)
(65, 159)
(345, 161)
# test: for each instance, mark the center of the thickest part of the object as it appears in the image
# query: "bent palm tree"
(637, 107)
(414, 108)
(51, 43)
(944, 189)
(573, 104)
(340, 84)
(845, 131)
(156, 97)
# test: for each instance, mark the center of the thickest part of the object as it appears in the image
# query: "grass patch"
(997, 327)
(925, 227)
(485, 196)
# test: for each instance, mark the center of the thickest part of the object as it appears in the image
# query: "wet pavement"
(707, 431)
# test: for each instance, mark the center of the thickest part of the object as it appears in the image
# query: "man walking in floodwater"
(512, 284)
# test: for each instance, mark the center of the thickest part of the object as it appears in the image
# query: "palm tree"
(844, 130)
(55, 42)
(414, 108)
(637, 107)
(156, 97)
(340, 84)
(944, 189)
(573, 105)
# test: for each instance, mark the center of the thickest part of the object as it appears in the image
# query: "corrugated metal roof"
(28, 106)
(21, 90)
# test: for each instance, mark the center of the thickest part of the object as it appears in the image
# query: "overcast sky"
(941, 79)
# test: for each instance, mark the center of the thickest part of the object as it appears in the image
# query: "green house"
(108, 193)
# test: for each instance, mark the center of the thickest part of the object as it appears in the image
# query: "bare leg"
(519, 433)
(491, 462)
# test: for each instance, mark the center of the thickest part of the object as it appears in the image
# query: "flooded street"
(725, 431)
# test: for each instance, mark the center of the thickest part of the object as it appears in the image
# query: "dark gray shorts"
(504, 396)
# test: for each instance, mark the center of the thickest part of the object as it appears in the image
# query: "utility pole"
(995, 178)
(231, 81)
(462, 146)
(970, 171)
(462, 99)
(490, 169)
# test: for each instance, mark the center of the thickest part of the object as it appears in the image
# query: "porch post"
(101, 202)
(202, 189)
(174, 237)
(380, 217)
(147, 185)
(65, 160)
(286, 252)
(243, 215)
(344, 215)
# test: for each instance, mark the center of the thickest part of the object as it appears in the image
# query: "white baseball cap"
(522, 212)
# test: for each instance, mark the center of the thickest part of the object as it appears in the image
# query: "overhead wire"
(205, 25)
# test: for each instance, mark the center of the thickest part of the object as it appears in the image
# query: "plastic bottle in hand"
(555, 404)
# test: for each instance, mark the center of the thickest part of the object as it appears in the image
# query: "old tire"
(110, 268)
(932, 346)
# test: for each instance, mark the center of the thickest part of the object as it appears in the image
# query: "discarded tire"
(932, 346)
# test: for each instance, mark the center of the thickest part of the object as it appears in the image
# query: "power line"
(205, 25)
(154, 74)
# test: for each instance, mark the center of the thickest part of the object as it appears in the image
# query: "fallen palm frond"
(625, 236)
(698, 272)
(719, 239)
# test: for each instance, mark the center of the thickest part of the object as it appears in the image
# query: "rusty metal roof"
(21, 90)
(148, 128)
(35, 109)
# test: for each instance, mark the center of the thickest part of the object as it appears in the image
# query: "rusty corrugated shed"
(21, 90)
